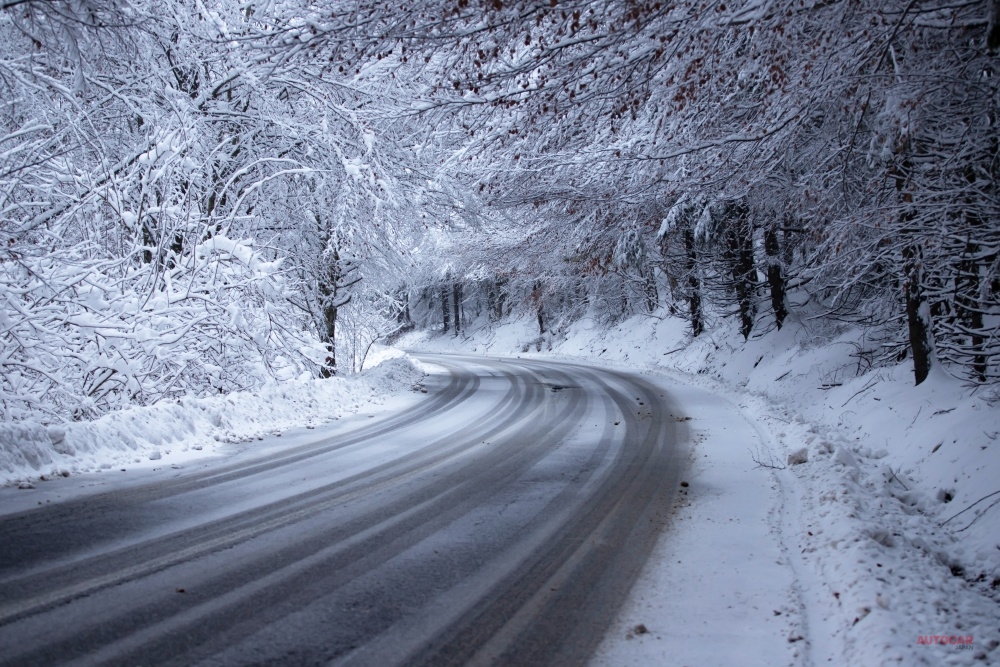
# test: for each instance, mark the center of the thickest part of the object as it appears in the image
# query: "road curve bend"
(499, 521)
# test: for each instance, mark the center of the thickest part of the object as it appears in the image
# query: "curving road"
(500, 520)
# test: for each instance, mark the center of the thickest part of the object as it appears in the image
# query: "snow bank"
(169, 432)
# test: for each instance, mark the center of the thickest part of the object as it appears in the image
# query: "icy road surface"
(500, 520)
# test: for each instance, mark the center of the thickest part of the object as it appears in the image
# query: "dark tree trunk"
(329, 301)
(456, 293)
(445, 312)
(973, 317)
(968, 283)
(694, 285)
(329, 335)
(652, 294)
(993, 26)
(917, 312)
(501, 286)
(537, 296)
(775, 277)
(491, 300)
(740, 242)
(666, 265)
(968, 307)
(335, 279)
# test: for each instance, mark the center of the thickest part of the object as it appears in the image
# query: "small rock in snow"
(798, 456)
(155, 456)
(25, 485)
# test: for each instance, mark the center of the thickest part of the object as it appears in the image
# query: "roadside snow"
(879, 546)
(170, 433)
(719, 590)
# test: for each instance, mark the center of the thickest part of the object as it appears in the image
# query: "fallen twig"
(863, 389)
(898, 479)
(759, 460)
(990, 495)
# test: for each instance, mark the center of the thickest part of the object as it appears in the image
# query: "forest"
(203, 196)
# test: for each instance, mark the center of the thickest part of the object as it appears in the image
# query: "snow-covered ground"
(834, 514)
(172, 433)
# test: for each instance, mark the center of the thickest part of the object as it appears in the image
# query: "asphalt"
(501, 520)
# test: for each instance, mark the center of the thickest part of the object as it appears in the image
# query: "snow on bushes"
(83, 334)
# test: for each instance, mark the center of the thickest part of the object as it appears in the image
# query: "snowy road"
(500, 520)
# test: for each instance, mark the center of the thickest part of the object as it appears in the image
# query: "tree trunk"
(775, 277)
(918, 312)
(993, 26)
(740, 242)
(456, 291)
(403, 314)
(968, 306)
(918, 316)
(786, 235)
(537, 295)
(694, 285)
(445, 314)
(328, 298)
(501, 284)
(491, 300)
(652, 294)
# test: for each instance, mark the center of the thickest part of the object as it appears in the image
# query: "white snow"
(881, 547)
(172, 432)
(720, 591)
